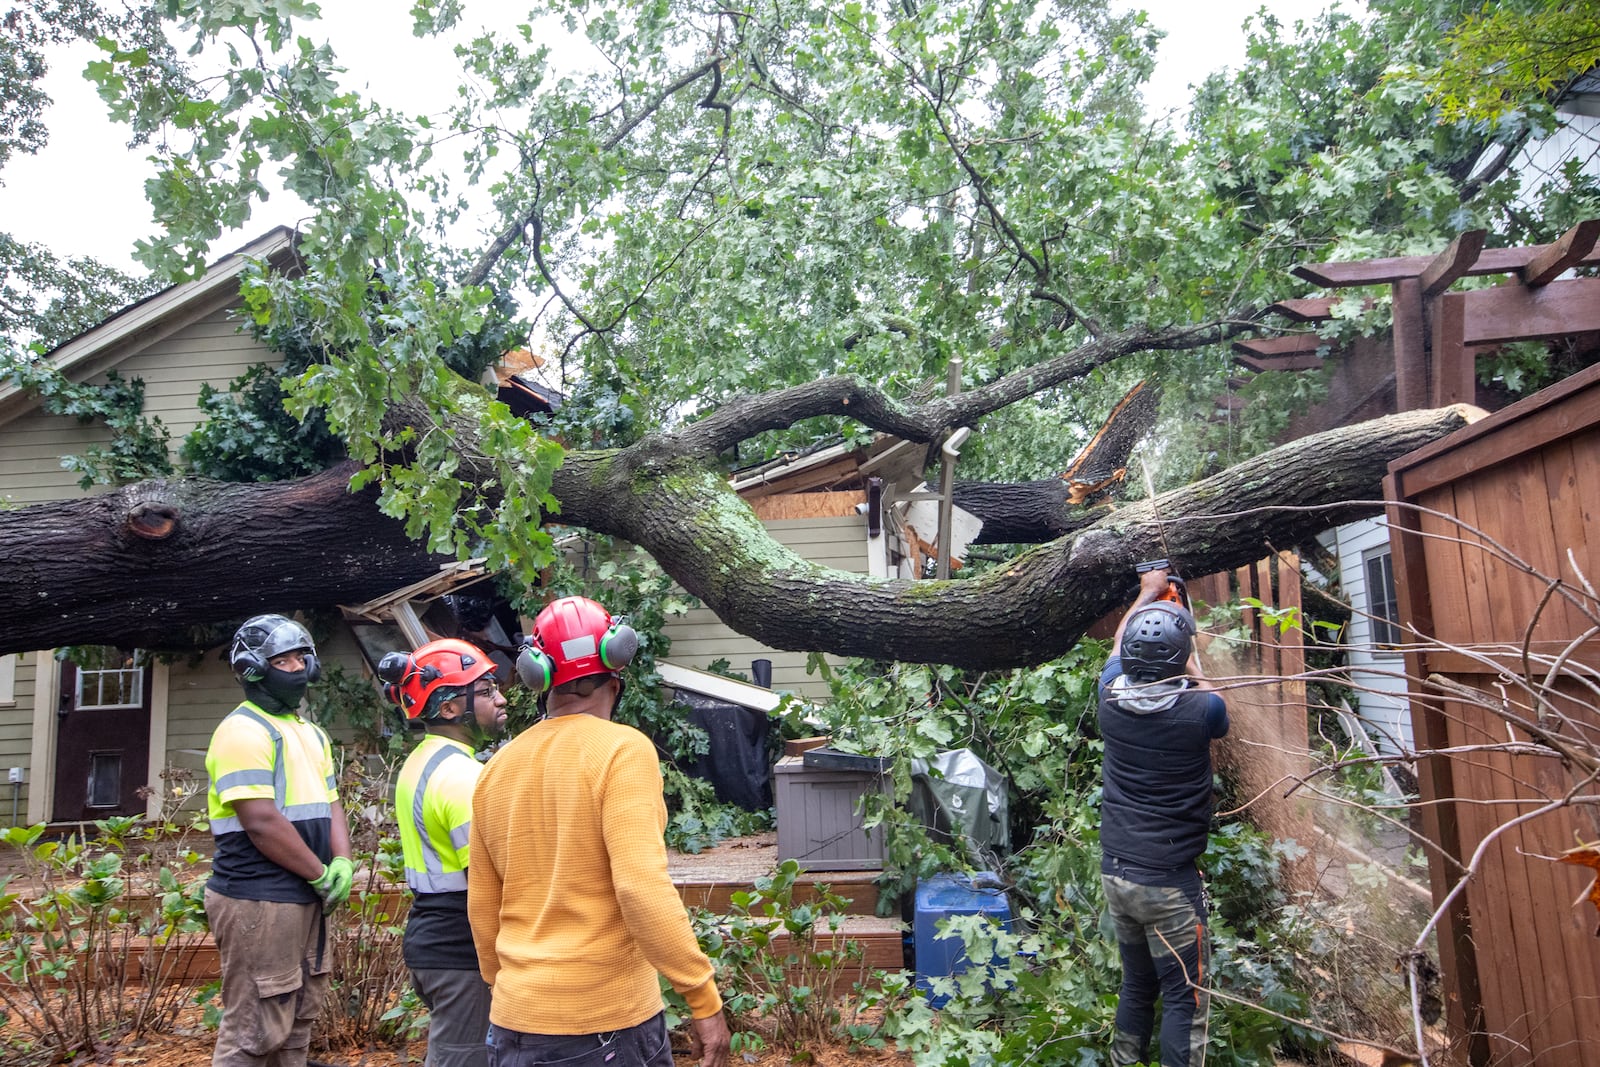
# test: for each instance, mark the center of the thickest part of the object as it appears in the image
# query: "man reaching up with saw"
(1158, 716)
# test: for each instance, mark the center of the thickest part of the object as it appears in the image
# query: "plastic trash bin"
(941, 897)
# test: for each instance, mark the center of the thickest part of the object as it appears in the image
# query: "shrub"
(781, 962)
(83, 918)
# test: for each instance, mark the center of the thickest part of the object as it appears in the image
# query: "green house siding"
(700, 638)
(16, 736)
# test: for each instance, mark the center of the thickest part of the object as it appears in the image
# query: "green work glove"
(333, 884)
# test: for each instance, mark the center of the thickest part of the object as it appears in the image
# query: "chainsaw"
(1177, 593)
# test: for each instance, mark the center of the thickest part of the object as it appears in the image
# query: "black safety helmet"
(265, 636)
(1156, 642)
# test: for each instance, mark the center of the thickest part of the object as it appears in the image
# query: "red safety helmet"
(420, 681)
(575, 637)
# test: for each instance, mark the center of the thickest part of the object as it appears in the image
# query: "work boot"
(1128, 1049)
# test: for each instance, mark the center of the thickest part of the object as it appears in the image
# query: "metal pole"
(947, 472)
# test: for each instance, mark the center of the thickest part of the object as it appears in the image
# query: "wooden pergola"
(1437, 334)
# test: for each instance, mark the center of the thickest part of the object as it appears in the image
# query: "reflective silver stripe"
(296, 813)
(332, 781)
(428, 882)
(305, 812)
(433, 867)
(280, 775)
(460, 835)
(238, 778)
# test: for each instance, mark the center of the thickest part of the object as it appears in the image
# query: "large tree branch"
(513, 230)
(143, 565)
(744, 417)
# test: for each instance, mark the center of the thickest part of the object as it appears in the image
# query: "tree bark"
(146, 564)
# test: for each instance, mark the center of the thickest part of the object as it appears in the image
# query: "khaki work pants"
(275, 964)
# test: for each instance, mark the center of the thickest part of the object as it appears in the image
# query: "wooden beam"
(1294, 344)
(1383, 271)
(1312, 308)
(1454, 364)
(1306, 309)
(1294, 362)
(1410, 354)
(1567, 252)
(1453, 262)
(1517, 313)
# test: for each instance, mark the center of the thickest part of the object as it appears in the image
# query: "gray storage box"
(819, 821)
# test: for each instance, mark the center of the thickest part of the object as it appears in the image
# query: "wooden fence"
(1268, 744)
(1510, 504)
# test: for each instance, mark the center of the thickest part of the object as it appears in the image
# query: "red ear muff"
(618, 646)
(535, 669)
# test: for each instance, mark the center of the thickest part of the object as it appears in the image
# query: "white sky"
(83, 195)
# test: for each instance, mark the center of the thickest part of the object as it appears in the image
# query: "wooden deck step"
(708, 879)
(882, 940)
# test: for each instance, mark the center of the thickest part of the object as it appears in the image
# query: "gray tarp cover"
(957, 791)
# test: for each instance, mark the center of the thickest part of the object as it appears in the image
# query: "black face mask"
(280, 691)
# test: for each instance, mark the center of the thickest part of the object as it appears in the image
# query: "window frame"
(1384, 632)
(98, 674)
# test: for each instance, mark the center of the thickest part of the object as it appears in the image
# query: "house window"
(1382, 605)
(109, 678)
(105, 779)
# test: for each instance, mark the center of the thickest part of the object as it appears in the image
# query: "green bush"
(782, 964)
(82, 917)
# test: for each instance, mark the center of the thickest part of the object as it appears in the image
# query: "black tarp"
(736, 763)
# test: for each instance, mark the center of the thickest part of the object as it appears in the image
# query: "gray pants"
(458, 1016)
(275, 966)
(1161, 936)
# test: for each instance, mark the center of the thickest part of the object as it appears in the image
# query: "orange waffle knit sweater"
(572, 910)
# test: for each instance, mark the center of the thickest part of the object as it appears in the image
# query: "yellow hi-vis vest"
(256, 755)
(433, 805)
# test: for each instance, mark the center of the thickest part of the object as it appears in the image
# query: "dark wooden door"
(102, 736)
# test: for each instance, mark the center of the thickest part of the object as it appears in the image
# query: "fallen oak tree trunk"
(147, 564)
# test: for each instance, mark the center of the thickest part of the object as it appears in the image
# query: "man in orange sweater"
(572, 910)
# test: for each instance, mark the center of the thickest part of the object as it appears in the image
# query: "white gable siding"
(700, 638)
(209, 351)
(31, 447)
(1378, 674)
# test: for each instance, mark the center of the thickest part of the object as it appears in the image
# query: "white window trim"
(8, 678)
(97, 672)
(1372, 596)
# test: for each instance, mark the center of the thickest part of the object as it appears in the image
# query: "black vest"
(1156, 807)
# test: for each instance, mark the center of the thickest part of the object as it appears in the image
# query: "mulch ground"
(191, 1045)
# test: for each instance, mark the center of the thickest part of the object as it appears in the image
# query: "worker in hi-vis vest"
(449, 686)
(282, 851)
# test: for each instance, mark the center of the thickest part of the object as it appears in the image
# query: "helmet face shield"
(1156, 642)
(265, 637)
